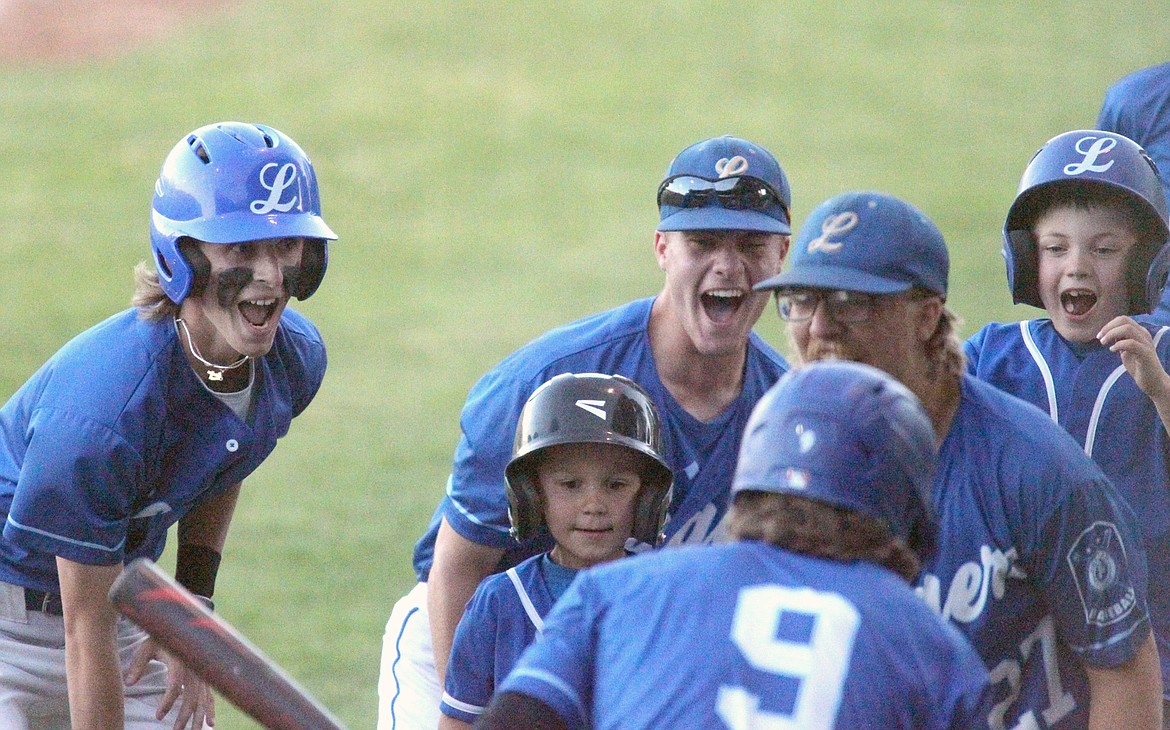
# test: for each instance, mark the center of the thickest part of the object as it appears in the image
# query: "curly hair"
(944, 349)
(807, 526)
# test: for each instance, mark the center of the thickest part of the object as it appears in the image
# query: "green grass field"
(490, 168)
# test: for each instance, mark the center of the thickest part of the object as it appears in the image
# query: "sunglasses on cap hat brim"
(735, 193)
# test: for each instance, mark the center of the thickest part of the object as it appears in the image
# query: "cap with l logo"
(721, 158)
(866, 242)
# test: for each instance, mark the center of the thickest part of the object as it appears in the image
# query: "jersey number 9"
(818, 661)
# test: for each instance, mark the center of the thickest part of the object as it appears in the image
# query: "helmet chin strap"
(214, 371)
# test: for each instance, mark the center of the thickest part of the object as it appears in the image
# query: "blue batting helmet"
(849, 435)
(1085, 159)
(574, 408)
(232, 182)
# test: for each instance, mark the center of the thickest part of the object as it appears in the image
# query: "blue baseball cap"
(714, 185)
(866, 242)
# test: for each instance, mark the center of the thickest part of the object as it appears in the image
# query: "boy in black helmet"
(585, 468)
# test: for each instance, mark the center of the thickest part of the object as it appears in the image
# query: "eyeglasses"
(737, 193)
(840, 306)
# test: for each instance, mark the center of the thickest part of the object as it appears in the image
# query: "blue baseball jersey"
(1138, 106)
(615, 342)
(502, 618)
(1040, 564)
(115, 438)
(1085, 388)
(746, 635)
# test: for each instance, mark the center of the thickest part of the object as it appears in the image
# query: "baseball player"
(586, 468)
(723, 227)
(1089, 218)
(1138, 106)
(1039, 561)
(807, 621)
(154, 417)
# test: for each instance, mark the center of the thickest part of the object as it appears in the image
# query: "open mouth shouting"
(1078, 302)
(258, 312)
(721, 305)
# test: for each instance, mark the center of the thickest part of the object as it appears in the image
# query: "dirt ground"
(39, 32)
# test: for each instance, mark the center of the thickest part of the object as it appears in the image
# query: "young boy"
(1079, 240)
(587, 468)
(805, 620)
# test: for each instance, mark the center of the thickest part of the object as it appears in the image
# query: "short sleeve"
(303, 355)
(558, 668)
(469, 682)
(477, 505)
(75, 491)
(1090, 560)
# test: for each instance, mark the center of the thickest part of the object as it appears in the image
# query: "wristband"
(196, 567)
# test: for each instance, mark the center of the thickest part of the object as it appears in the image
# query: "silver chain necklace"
(215, 371)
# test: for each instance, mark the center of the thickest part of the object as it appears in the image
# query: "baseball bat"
(215, 651)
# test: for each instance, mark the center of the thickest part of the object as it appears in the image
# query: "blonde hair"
(944, 349)
(807, 526)
(149, 299)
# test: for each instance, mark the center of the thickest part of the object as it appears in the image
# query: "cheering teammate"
(807, 621)
(154, 417)
(1079, 238)
(586, 469)
(723, 227)
(1039, 560)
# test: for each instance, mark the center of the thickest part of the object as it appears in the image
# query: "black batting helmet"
(575, 408)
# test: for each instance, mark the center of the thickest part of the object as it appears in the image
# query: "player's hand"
(198, 704)
(1135, 345)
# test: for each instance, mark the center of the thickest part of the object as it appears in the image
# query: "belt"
(49, 603)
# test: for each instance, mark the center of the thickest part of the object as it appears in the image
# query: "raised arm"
(1135, 345)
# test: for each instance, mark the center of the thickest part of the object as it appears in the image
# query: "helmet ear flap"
(1019, 253)
(197, 262)
(653, 502)
(525, 505)
(314, 259)
(1157, 276)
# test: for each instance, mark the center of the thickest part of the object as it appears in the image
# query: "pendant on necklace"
(215, 375)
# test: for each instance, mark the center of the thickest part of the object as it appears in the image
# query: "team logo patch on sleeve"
(1099, 565)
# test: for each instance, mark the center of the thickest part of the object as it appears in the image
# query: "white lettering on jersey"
(700, 529)
(967, 596)
(281, 181)
(968, 592)
(1010, 671)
